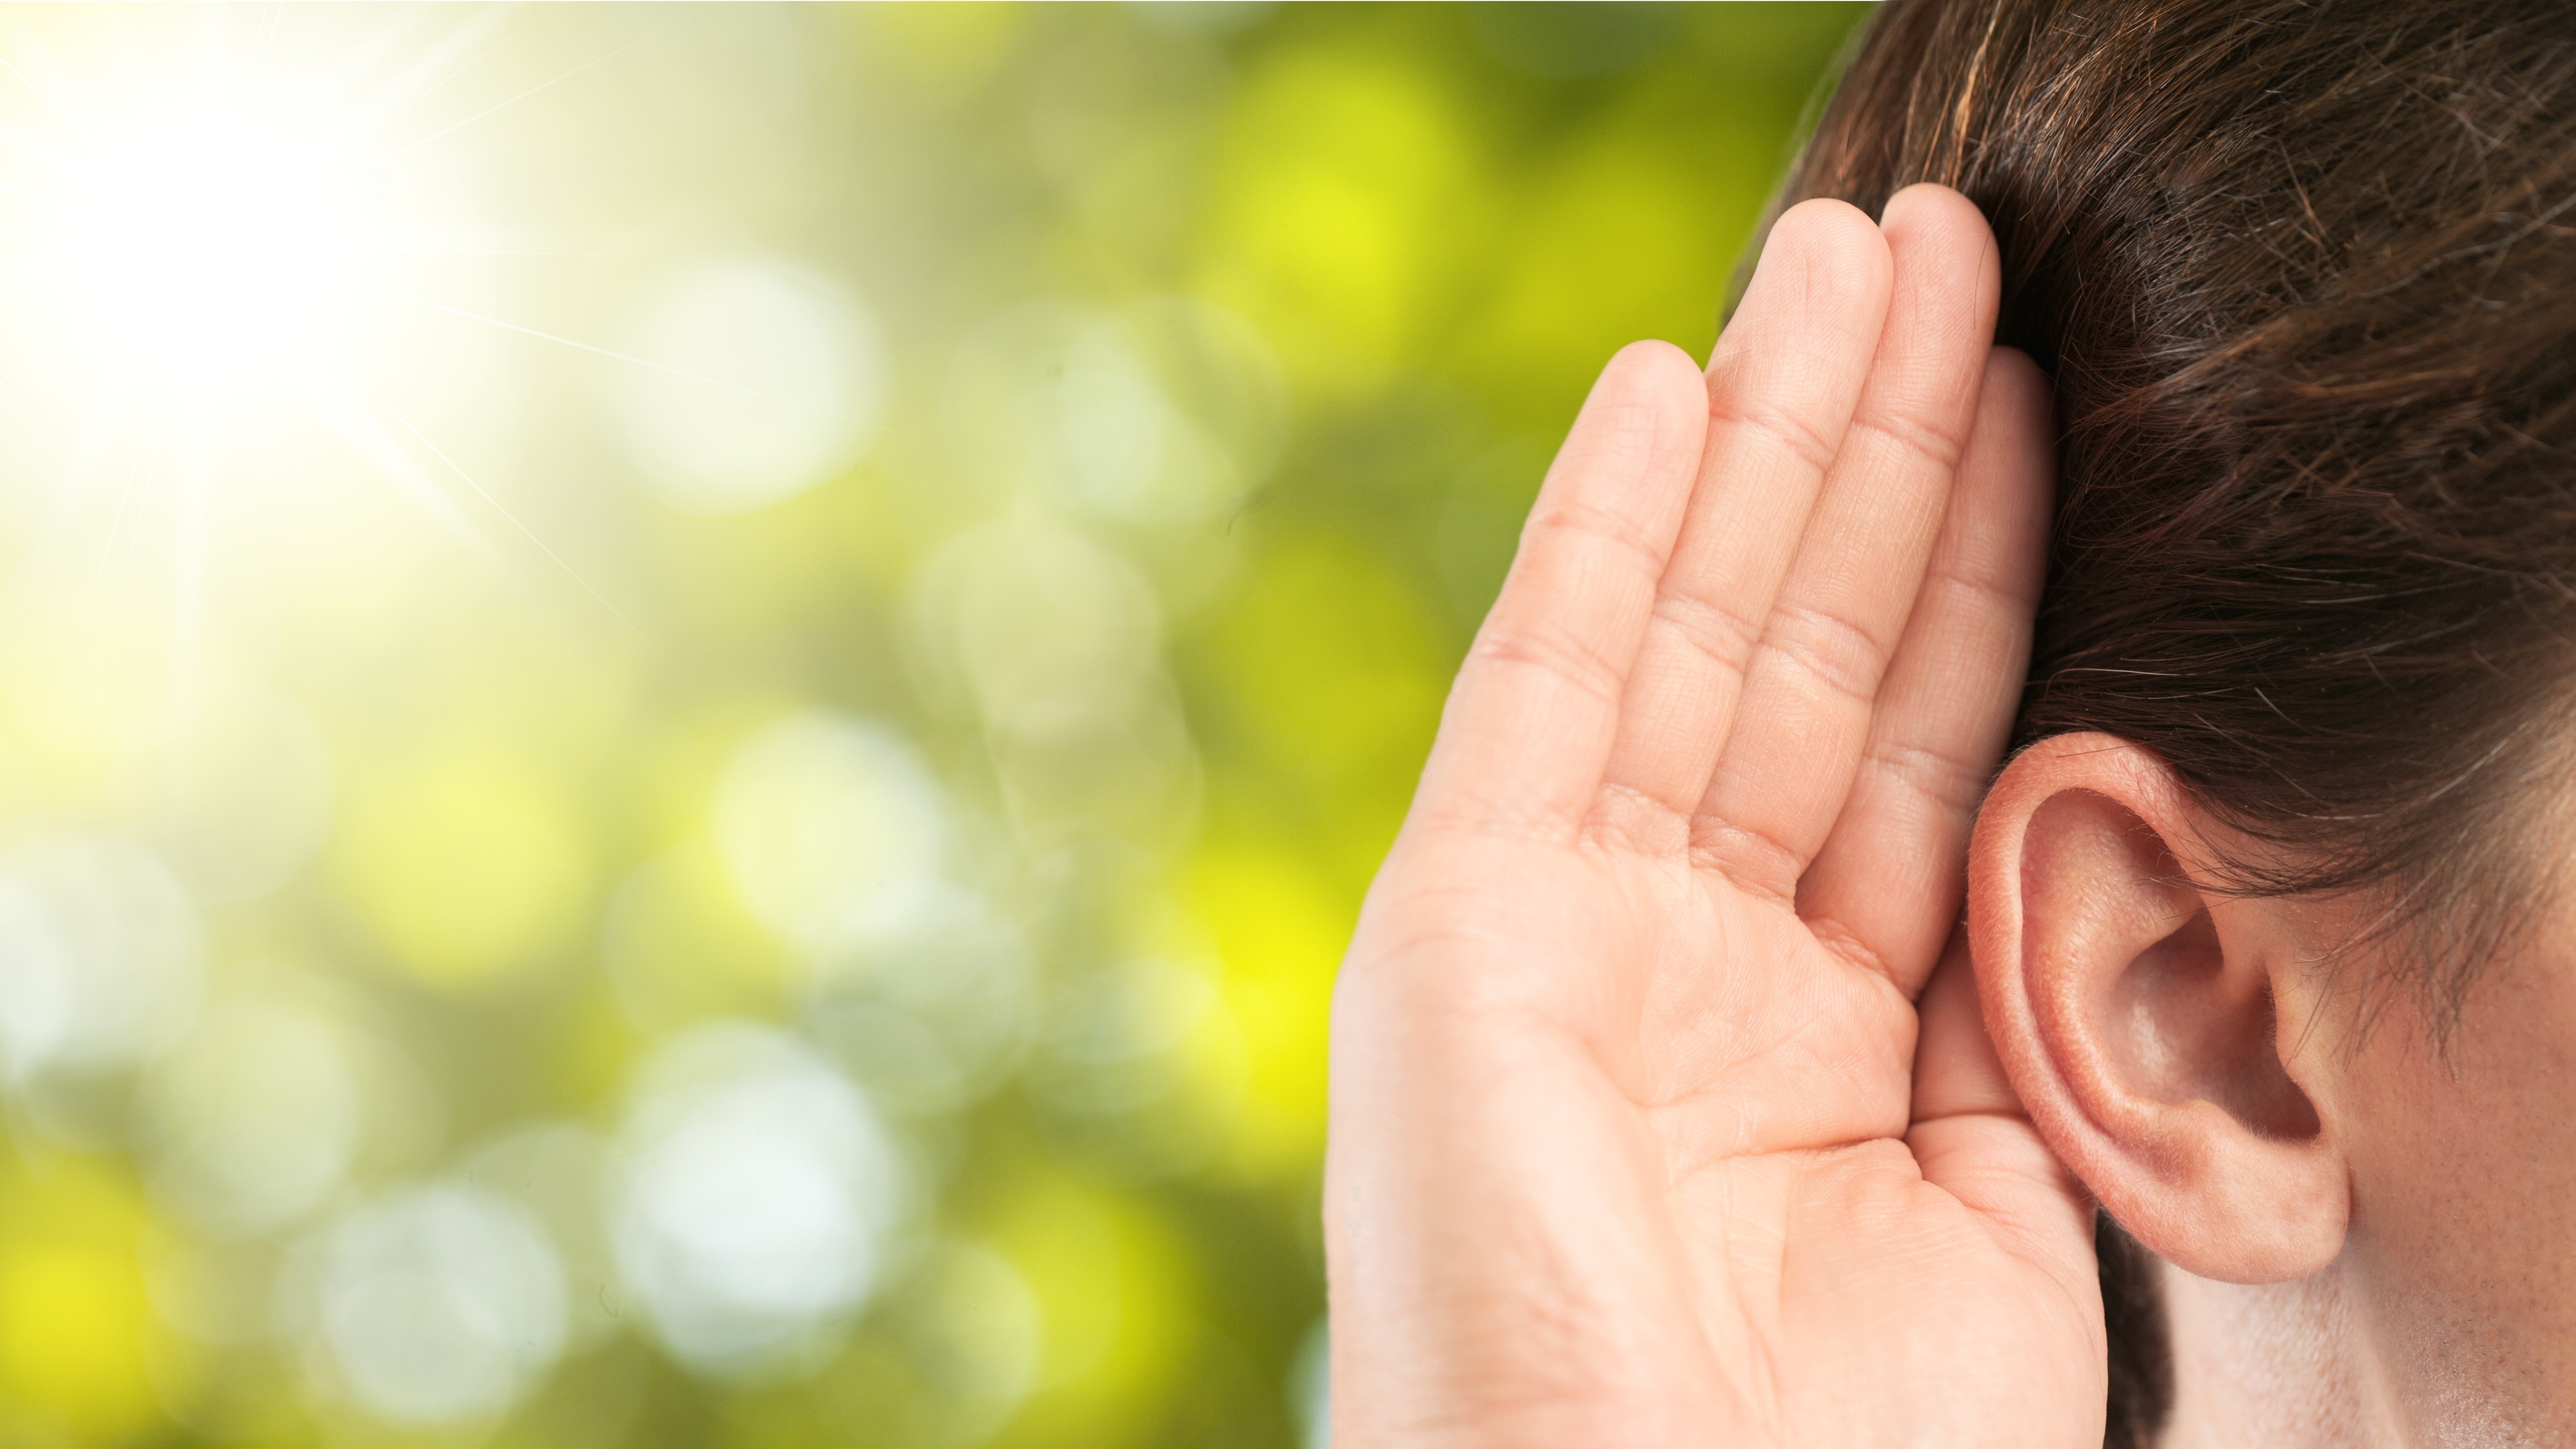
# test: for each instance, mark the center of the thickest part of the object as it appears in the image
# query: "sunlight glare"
(206, 249)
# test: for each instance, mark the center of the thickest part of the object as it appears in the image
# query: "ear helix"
(2135, 1014)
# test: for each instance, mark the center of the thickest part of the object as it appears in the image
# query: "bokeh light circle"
(757, 1190)
(100, 957)
(559, 1173)
(1030, 613)
(768, 382)
(830, 826)
(440, 1305)
(1165, 412)
(932, 1012)
(255, 1117)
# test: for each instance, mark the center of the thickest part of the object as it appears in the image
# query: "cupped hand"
(1662, 1110)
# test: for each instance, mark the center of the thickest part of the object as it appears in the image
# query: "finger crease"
(1496, 818)
(1590, 521)
(1840, 939)
(1940, 776)
(1830, 647)
(1556, 653)
(1754, 859)
(1630, 819)
(1981, 589)
(1726, 637)
(1782, 427)
(1920, 439)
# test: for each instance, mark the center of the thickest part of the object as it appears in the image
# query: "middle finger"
(1813, 680)
(1788, 372)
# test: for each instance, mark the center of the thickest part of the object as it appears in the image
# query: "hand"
(1646, 1127)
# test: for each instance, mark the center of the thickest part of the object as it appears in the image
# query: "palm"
(1633, 1139)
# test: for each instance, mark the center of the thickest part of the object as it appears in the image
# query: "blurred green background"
(696, 699)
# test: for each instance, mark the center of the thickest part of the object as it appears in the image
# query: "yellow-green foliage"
(492, 724)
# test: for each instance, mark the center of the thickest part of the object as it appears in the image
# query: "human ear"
(2150, 1023)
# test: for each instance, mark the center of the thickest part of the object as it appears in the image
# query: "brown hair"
(2302, 271)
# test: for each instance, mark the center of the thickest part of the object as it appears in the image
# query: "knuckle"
(1628, 819)
(1588, 523)
(1489, 815)
(1847, 943)
(1919, 439)
(1829, 647)
(1945, 585)
(1755, 859)
(1556, 653)
(1778, 425)
(1725, 636)
(1945, 777)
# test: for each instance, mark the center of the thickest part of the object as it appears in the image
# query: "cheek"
(2464, 1204)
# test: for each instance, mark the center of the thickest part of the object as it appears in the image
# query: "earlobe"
(2138, 1012)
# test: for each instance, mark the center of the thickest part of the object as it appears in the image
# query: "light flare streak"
(551, 337)
(481, 492)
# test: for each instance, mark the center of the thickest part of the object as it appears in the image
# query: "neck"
(2283, 1366)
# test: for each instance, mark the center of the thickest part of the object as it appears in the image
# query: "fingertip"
(1929, 209)
(2008, 473)
(1664, 380)
(1818, 297)
(1929, 203)
(1941, 238)
(1649, 366)
(1826, 245)
(1824, 216)
(2014, 438)
(2017, 388)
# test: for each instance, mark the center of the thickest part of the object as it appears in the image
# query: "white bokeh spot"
(254, 1117)
(440, 1305)
(757, 1190)
(774, 378)
(100, 957)
(830, 826)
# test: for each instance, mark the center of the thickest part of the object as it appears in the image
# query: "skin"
(2448, 1315)
(1629, 1145)
(1672, 1103)
(2464, 1177)
(2365, 1235)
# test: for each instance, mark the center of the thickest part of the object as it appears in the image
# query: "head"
(2268, 904)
